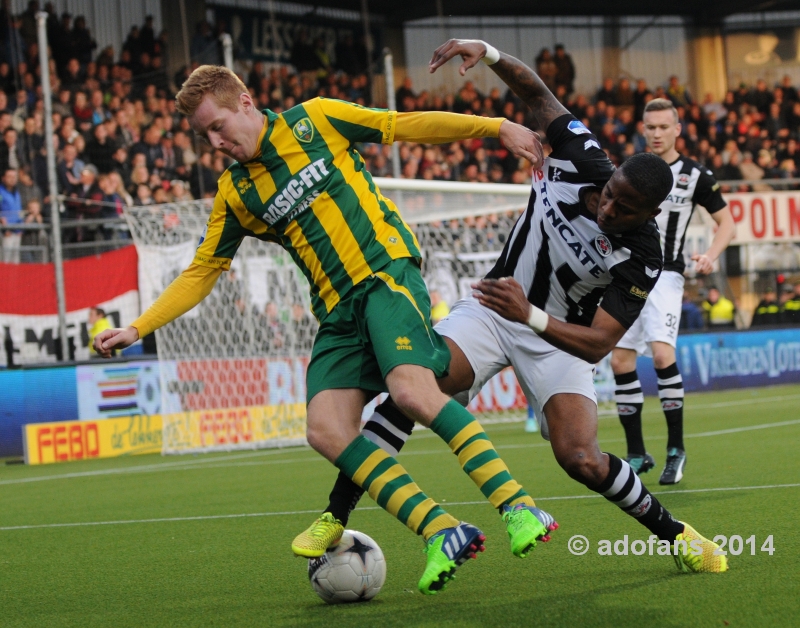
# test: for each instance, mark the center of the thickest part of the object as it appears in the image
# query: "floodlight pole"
(227, 50)
(388, 68)
(55, 215)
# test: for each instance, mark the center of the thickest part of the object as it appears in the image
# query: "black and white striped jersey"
(694, 185)
(557, 252)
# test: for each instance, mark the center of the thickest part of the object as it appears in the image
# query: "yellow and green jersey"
(309, 191)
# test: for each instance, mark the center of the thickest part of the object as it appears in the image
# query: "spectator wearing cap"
(10, 214)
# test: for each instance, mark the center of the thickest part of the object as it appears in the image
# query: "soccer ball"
(353, 571)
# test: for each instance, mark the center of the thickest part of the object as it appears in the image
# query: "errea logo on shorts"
(403, 344)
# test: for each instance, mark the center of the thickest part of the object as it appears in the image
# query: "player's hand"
(523, 142)
(106, 341)
(704, 265)
(505, 296)
(471, 51)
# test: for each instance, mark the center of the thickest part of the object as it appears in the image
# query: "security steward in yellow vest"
(790, 309)
(768, 311)
(720, 312)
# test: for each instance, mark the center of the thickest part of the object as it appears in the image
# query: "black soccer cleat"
(673, 468)
(640, 464)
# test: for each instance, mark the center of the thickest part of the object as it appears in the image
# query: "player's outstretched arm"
(436, 127)
(522, 80)
(507, 298)
(190, 287)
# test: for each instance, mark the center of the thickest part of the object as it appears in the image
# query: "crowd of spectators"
(120, 140)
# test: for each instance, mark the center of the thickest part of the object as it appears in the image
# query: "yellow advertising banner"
(235, 428)
(82, 440)
(197, 430)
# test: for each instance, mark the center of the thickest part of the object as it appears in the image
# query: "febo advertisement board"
(83, 440)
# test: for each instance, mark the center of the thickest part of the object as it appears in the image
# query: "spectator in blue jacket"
(691, 314)
(10, 214)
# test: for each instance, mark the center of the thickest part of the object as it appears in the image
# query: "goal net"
(233, 369)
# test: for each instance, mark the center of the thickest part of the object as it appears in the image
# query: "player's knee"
(620, 363)
(418, 403)
(315, 437)
(582, 464)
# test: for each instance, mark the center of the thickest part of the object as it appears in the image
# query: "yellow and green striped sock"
(478, 457)
(388, 483)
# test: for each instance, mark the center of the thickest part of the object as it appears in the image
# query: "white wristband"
(492, 55)
(538, 319)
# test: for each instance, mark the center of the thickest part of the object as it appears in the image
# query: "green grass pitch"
(204, 540)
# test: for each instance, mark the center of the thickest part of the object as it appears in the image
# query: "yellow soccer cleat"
(706, 561)
(325, 532)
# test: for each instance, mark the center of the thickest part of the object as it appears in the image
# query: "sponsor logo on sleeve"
(589, 144)
(403, 343)
(603, 245)
(651, 272)
(577, 127)
(303, 130)
(638, 292)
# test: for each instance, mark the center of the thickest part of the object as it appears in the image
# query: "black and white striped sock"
(624, 488)
(670, 392)
(389, 429)
(629, 398)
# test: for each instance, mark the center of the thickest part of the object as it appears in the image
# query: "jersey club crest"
(603, 245)
(303, 130)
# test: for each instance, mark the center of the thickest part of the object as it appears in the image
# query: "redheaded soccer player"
(299, 182)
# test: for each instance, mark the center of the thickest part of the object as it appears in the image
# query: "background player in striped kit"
(656, 330)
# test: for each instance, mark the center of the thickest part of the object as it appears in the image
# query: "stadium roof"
(706, 12)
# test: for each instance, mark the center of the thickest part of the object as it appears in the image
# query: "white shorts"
(491, 343)
(660, 317)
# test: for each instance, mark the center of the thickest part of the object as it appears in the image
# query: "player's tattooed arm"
(522, 80)
(526, 84)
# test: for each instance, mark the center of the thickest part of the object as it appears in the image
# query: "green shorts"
(381, 323)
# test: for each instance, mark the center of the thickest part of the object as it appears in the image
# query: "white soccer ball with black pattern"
(353, 571)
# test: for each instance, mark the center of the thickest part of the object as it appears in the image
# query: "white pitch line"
(307, 512)
(219, 463)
